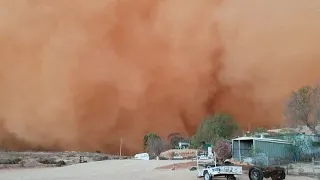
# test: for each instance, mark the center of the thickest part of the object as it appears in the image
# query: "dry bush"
(172, 154)
(155, 146)
(100, 158)
(222, 150)
(22, 163)
(52, 161)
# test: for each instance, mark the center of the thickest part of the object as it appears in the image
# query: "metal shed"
(273, 148)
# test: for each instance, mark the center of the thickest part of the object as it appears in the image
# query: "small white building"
(184, 145)
(142, 156)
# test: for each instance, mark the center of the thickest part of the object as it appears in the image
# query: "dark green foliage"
(174, 139)
(154, 145)
(254, 151)
(10, 161)
(61, 163)
(52, 161)
(259, 130)
(315, 144)
(216, 127)
(148, 137)
(47, 161)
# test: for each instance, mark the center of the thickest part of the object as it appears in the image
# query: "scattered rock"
(61, 163)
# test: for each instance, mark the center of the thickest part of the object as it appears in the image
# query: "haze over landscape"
(78, 75)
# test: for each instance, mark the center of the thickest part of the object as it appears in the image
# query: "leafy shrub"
(10, 161)
(61, 163)
(213, 128)
(174, 139)
(260, 159)
(52, 161)
(149, 137)
(47, 161)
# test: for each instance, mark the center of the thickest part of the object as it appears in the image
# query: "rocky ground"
(48, 159)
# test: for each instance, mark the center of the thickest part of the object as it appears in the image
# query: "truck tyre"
(255, 173)
(278, 175)
(231, 177)
(207, 176)
(283, 174)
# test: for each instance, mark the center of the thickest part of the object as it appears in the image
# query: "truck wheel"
(277, 176)
(207, 176)
(231, 177)
(283, 174)
(255, 173)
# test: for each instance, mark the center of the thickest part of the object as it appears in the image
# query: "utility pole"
(121, 140)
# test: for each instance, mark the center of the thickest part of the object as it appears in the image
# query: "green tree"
(174, 139)
(216, 127)
(303, 107)
(254, 151)
(149, 137)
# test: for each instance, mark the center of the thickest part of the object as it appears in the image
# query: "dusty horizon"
(80, 75)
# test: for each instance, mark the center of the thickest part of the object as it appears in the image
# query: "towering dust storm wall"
(80, 74)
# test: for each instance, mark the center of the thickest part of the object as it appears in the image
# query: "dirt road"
(108, 170)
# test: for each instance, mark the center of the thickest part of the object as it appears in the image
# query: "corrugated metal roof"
(262, 139)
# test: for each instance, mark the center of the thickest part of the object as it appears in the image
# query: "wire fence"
(305, 165)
